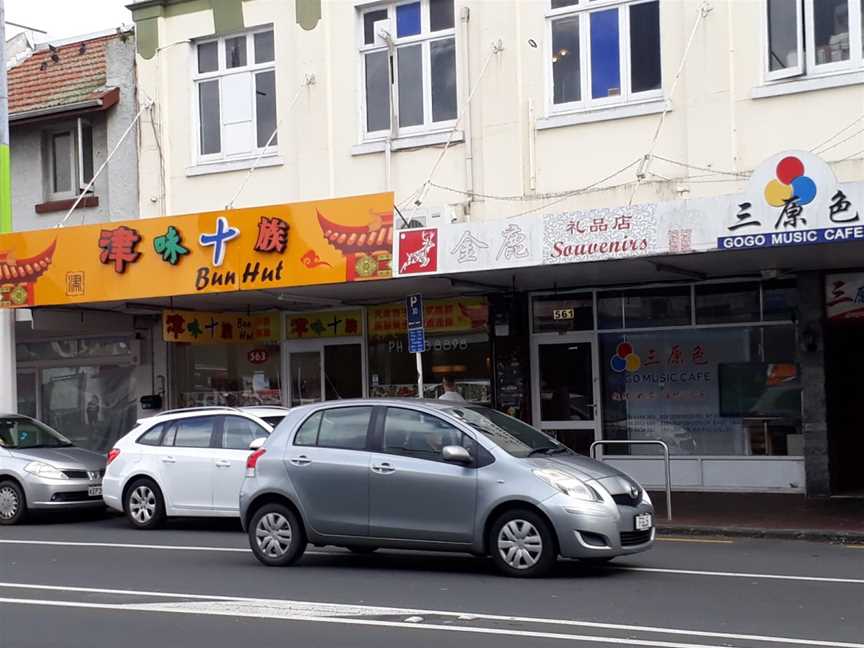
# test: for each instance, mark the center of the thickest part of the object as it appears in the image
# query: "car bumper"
(65, 494)
(112, 493)
(601, 530)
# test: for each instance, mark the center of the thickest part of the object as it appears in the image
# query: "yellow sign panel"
(309, 243)
(326, 324)
(461, 315)
(220, 328)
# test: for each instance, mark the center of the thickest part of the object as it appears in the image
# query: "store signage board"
(844, 296)
(278, 246)
(461, 315)
(195, 327)
(324, 324)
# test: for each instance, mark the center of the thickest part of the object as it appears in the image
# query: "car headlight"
(44, 470)
(568, 484)
(645, 498)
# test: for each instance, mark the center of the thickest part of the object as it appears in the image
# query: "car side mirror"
(456, 454)
(257, 443)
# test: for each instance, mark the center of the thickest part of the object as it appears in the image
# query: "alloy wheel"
(9, 503)
(273, 534)
(142, 504)
(520, 544)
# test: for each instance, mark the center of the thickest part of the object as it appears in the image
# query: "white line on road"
(657, 570)
(309, 611)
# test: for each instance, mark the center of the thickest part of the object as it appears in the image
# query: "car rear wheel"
(12, 504)
(276, 536)
(144, 505)
(522, 544)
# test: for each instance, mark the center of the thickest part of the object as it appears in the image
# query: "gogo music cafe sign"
(793, 198)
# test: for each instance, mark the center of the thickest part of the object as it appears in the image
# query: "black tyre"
(276, 536)
(13, 505)
(522, 544)
(359, 549)
(144, 505)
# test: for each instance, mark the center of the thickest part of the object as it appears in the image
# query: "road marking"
(855, 546)
(694, 540)
(334, 554)
(311, 611)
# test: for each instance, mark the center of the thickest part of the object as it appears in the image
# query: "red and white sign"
(258, 356)
(417, 251)
(844, 296)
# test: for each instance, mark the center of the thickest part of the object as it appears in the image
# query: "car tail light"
(113, 453)
(252, 461)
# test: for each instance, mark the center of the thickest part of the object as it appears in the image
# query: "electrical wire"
(843, 141)
(687, 165)
(704, 9)
(419, 195)
(816, 148)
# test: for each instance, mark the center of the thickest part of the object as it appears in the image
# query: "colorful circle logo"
(625, 359)
(791, 182)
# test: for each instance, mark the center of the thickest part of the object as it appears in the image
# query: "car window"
(19, 433)
(239, 432)
(153, 436)
(273, 421)
(194, 432)
(417, 434)
(307, 435)
(344, 427)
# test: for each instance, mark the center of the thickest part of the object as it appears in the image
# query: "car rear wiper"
(557, 449)
(543, 450)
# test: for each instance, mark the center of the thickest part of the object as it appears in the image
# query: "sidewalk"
(762, 515)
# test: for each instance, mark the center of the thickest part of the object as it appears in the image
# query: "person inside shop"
(450, 391)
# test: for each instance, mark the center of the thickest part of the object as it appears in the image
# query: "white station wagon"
(187, 462)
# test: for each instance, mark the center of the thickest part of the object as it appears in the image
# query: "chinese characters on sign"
(327, 324)
(217, 328)
(170, 246)
(844, 296)
(272, 235)
(118, 247)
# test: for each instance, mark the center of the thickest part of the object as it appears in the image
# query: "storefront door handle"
(302, 460)
(169, 460)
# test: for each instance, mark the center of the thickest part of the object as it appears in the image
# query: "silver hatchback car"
(435, 475)
(42, 469)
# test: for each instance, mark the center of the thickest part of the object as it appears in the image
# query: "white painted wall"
(714, 122)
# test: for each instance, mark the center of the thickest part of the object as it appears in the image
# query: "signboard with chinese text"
(844, 296)
(324, 324)
(793, 198)
(195, 327)
(309, 243)
(467, 314)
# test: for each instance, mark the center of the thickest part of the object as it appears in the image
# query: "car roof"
(191, 412)
(373, 402)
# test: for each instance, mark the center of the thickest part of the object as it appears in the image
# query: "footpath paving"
(762, 515)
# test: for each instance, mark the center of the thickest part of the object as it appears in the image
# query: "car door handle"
(383, 468)
(169, 460)
(222, 463)
(302, 460)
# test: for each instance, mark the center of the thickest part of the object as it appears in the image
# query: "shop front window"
(227, 374)
(732, 391)
(26, 382)
(92, 406)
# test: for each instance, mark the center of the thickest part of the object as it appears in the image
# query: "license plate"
(643, 522)
(94, 491)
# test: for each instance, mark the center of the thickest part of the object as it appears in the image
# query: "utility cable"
(816, 148)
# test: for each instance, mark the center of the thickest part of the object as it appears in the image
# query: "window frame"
(424, 39)
(222, 428)
(370, 424)
(75, 130)
(379, 446)
(807, 67)
(251, 69)
(215, 431)
(583, 9)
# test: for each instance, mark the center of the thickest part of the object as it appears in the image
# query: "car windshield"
(19, 433)
(508, 433)
(273, 421)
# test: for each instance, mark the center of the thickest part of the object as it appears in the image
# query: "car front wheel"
(12, 503)
(522, 544)
(276, 536)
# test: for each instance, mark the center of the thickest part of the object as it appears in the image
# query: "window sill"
(794, 86)
(52, 206)
(223, 166)
(407, 142)
(605, 113)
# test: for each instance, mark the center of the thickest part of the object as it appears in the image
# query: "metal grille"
(630, 538)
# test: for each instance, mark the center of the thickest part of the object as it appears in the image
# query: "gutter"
(108, 99)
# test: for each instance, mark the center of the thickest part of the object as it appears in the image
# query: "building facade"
(629, 220)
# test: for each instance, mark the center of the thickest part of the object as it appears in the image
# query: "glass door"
(324, 370)
(566, 394)
(28, 394)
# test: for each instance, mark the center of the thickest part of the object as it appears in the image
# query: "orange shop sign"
(296, 244)
(441, 316)
(326, 324)
(195, 327)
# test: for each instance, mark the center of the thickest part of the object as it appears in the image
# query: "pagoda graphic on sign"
(18, 276)
(367, 248)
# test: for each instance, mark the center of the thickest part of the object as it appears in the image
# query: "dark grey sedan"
(42, 469)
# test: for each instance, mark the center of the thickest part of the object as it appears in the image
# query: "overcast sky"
(64, 18)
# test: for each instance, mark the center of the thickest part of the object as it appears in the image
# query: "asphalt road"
(94, 583)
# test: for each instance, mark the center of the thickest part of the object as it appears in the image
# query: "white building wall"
(714, 122)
